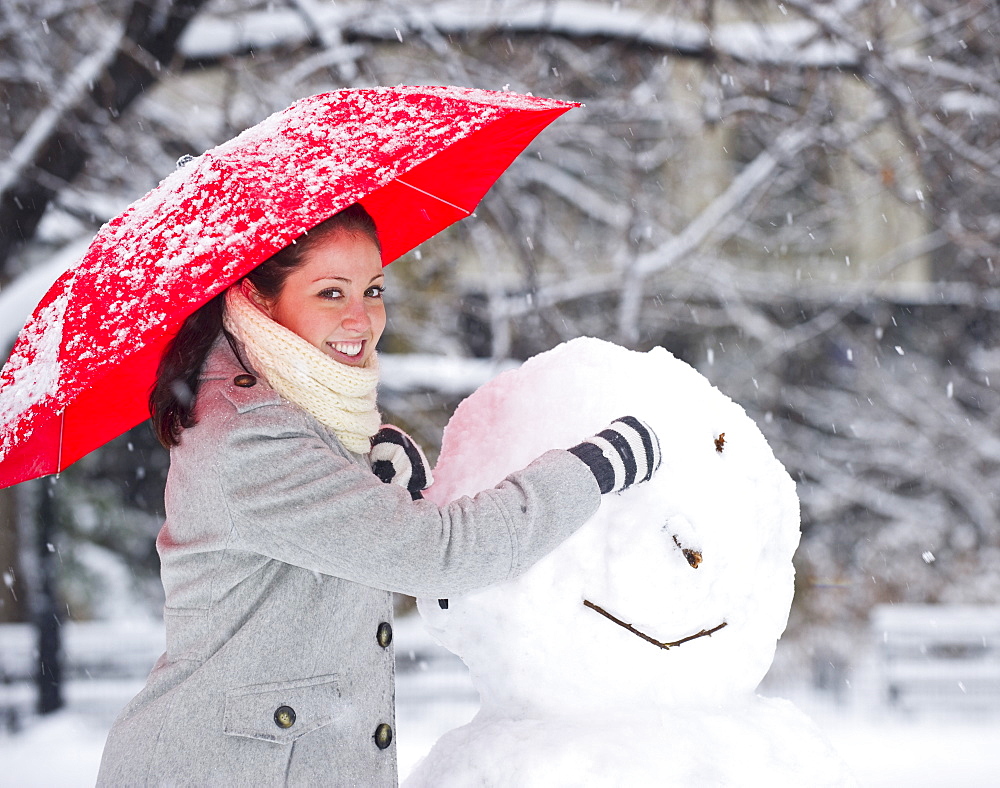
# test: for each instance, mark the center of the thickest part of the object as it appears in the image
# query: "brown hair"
(172, 398)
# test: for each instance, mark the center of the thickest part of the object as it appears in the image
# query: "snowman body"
(630, 655)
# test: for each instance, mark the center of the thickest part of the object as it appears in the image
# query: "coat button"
(245, 381)
(284, 717)
(384, 634)
(383, 736)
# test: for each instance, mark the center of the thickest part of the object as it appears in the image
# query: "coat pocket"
(283, 711)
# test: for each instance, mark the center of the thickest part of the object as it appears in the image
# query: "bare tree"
(77, 68)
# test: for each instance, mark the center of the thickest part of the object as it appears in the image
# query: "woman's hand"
(626, 453)
(397, 459)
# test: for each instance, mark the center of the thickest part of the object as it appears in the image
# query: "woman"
(281, 547)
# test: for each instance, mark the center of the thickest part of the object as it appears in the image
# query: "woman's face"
(334, 299)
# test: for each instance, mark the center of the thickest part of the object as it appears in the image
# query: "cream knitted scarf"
(341, 397)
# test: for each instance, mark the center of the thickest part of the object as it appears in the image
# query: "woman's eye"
(375, 291)
(330, 292)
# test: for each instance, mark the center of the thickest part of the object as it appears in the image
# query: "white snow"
(31, 374)
(403, 372)
(435, 694)
(31, 379)
(570, 695)
(797, 42)
(959, 102)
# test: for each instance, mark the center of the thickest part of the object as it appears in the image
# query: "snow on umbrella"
(417, 158)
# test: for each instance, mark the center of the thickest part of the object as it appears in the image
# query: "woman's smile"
(349, 350)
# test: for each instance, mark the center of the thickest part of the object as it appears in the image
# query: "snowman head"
(674, 592)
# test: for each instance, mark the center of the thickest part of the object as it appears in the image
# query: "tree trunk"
(48, 674)
(12, 585)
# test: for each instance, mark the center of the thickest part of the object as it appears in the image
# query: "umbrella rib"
(434, 196)
(62, 429)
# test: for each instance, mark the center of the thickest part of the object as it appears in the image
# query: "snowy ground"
(434, 694)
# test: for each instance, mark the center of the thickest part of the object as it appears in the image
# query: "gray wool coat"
(278, 557)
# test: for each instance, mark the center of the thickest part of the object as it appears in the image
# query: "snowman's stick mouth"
(660, 644)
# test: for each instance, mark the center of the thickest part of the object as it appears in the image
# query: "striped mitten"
(626, 453)
(397, 459)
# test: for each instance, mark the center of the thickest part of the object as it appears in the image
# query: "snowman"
(630, 655)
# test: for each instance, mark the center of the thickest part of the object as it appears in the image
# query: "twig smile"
(664, 645)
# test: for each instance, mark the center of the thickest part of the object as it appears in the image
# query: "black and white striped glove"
(626, 453)
(397, 459)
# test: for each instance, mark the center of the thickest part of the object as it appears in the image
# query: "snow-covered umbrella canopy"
(417, 158)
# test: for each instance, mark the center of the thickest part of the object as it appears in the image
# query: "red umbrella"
(417, 158)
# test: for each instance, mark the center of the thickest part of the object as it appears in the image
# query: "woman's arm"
(289, 496)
